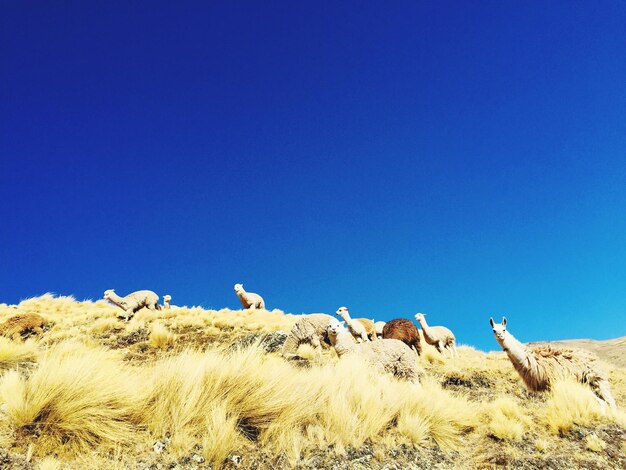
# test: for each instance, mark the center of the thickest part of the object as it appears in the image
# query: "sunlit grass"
(96, 391)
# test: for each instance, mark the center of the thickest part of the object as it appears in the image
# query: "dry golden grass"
(594, 443)
(77, 398)
(570, 404)
(49, 463)
(160, 336)
(102, 391)
(12, 352)
(506, 419)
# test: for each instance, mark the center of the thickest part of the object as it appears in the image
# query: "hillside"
(611, 350)
(190, 388)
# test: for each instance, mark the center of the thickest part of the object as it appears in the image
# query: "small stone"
(197, 458)
(159, 447)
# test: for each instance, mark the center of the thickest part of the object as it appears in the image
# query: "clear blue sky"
(462, 159)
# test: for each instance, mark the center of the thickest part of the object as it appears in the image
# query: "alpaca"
(439, 336)
(540, 366)
(387, 355)
(249, 299)
(361, 328)
(133, 302)
(309, 329)
(405, 331)
(166, 301)
(22, 325)
(378, 326)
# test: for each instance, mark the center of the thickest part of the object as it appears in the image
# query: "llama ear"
(491, 321)
(503, 321)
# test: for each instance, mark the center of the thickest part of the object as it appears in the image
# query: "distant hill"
(610, 350)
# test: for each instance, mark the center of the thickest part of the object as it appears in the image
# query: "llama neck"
(515, 350)
(166, 303)
(116, 299)
(346, 317)
(343, 343)
(425, 327)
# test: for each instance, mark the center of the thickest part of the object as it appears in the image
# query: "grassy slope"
(95, 392)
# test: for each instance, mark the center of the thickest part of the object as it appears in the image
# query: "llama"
(405, 331)
(249, 299)
(310, 329)
(439, 336)
(540, 366)
(133, 302)
(378, 326)
(361, 328)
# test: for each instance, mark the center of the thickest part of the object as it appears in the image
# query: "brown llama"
(405, 331)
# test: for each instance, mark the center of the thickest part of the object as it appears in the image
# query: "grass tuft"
(570, 404)
(506, 419)
(160, 336)
(77, 398)
(594, 443)
(12, 352)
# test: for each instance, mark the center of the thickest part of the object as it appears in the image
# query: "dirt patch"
(13, 462)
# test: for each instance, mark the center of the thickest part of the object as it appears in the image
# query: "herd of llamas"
(390, 347)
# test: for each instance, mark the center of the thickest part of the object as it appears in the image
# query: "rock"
(270, 342)
(197, 458)
(161, 445)
(13, 462)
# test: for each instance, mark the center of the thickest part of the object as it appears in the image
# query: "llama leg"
(364, 337)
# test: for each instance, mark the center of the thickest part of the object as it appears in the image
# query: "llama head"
(334, 328)
(420, 316)
(238, 288)
(167, 298)
(107, 293)
(499, 329)
(341, 310)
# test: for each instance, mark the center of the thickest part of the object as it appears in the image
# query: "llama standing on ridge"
(405, 331)
(249, 299)
(438, 336)
(133, 302)
(361, 328)
(540, 366)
